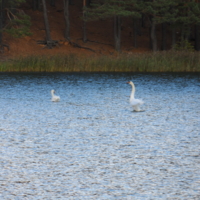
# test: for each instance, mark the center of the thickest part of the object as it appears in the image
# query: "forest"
(157, 25)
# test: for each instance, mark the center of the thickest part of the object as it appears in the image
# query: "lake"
(91, 145)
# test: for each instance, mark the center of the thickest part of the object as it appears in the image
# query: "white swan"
(135, 103)
(54, 97)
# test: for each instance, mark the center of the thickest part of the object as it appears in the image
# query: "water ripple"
(90, 145)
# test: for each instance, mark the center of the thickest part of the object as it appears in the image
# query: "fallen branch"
(49, 44)
(99, 42)
(78, 46)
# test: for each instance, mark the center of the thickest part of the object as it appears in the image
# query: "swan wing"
(136, 102)
(55, 98)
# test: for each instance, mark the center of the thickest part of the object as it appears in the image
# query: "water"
(90, 145)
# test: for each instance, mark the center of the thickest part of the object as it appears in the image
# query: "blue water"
(91, 145)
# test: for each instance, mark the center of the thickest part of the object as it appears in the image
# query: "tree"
(36, 4)
(48, 41)
(67, 22)
(117, 32)
(46, 22)
(1, 24)
(53, 2)
(164, 37)
(84, 20)
(197, 37)
(116, 9)
(13, 20)
(187, 18)
(159, 12)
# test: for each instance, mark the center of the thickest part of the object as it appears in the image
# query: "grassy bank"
(173, 61)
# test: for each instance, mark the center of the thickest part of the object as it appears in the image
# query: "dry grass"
(170, 61)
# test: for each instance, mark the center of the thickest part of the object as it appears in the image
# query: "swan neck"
(133, 92)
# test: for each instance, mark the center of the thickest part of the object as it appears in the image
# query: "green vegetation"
(14, 20)
(184, 45)
(169, 61)
(180, 16)
(19, 26)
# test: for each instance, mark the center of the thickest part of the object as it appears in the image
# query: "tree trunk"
(1, 21)
(48, 42)
(84, 32)
(2, 15)
(197, 37)
(71, 2)
(66, 16)
(135, 33)
(117, 32)
(36, 4)
(84, 22)
(52, 3)
(88, 2)
(163, 45)
(153, 40)
(143, 21)
(173, 36)
(46, 22)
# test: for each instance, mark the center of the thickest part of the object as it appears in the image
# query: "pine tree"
(116, 10)
(48, 41)
(159, 12)
(187, 18)
(17, 22)
(36, 4)
(67, 22)
(13, 20)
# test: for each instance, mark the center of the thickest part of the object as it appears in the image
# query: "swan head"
(52, 91)
(130, 82)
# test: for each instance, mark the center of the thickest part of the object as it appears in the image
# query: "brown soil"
(99, 34)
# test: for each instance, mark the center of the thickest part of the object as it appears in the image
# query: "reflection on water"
(90, 145)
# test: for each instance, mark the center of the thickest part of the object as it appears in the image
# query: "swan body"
(54, 98)
(135, 103)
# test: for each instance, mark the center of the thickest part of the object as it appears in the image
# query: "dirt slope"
(99, 34)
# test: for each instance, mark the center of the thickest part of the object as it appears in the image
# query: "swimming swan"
(135, 103)
(54, 97)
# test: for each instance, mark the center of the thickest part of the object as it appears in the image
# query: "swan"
(135, 103)
(54, 97)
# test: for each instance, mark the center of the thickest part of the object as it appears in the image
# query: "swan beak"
(128, 82)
